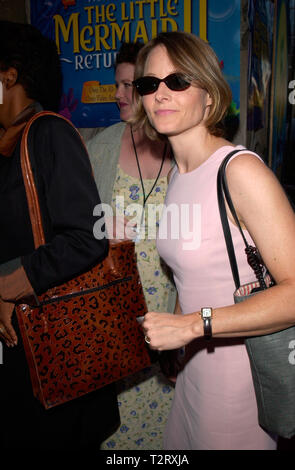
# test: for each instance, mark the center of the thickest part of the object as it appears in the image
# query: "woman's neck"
(194, 147)
(13, 110)
(149, 154)
(144, 144)
(139, 136)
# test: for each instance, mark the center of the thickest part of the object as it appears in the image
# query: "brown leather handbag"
(83, 334)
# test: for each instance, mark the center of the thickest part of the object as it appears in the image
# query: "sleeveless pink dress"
(214, 405)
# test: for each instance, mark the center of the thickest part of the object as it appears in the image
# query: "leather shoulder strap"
(29, 182)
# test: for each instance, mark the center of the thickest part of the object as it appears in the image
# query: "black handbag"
(271, 356)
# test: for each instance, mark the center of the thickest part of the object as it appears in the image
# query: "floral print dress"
(146, 397)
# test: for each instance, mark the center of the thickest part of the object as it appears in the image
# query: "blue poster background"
(89, 33)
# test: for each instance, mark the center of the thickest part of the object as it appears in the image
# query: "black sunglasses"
(148, 85)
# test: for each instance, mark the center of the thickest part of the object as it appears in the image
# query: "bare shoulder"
(256, 190)
(246, 162)
(247, 171)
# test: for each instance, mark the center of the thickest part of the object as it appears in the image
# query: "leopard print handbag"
(83, 334)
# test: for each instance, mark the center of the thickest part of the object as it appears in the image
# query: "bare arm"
(266, 213)
(264, 210)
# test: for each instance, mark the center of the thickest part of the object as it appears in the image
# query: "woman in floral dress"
(134, 171)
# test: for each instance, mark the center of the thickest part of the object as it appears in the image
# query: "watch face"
(206, 312)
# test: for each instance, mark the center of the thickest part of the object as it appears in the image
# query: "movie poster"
(88, 34)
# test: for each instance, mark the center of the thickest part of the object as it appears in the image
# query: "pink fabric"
(214, 405)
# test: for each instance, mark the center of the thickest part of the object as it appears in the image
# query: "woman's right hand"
(7, 332)
(164, 331)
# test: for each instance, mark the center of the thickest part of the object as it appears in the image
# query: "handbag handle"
(253, 256)
(32, 195)
(29, 182)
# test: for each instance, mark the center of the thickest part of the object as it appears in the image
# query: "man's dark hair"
(128, 52)
(36, 60)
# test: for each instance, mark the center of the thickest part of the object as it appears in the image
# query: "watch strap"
(207, 328)
(206, 314)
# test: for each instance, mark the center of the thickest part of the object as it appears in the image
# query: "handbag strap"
(221, 190)
(253, 257)
(32, 194)
(29, 181)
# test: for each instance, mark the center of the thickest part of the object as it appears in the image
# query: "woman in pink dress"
(182, 96)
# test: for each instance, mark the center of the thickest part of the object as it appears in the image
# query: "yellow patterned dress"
(146, 397)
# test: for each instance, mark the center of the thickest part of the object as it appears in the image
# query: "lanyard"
(145, 198)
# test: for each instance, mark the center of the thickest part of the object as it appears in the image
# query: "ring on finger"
(147, 339)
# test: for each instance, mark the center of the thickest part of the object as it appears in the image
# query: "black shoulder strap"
(222, 191)
(253, 256)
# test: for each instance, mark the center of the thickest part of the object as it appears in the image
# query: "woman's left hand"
(15, 286)
(7, 332)
(165, 331)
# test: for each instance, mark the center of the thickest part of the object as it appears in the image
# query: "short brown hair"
(198, 62)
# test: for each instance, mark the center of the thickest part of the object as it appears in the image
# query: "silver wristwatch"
(206, 314)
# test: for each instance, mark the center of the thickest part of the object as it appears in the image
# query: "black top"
(67, 194)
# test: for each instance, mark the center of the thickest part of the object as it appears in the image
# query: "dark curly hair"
(128, 52)
(36, 60)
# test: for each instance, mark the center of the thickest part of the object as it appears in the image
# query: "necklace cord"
(145, 198)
